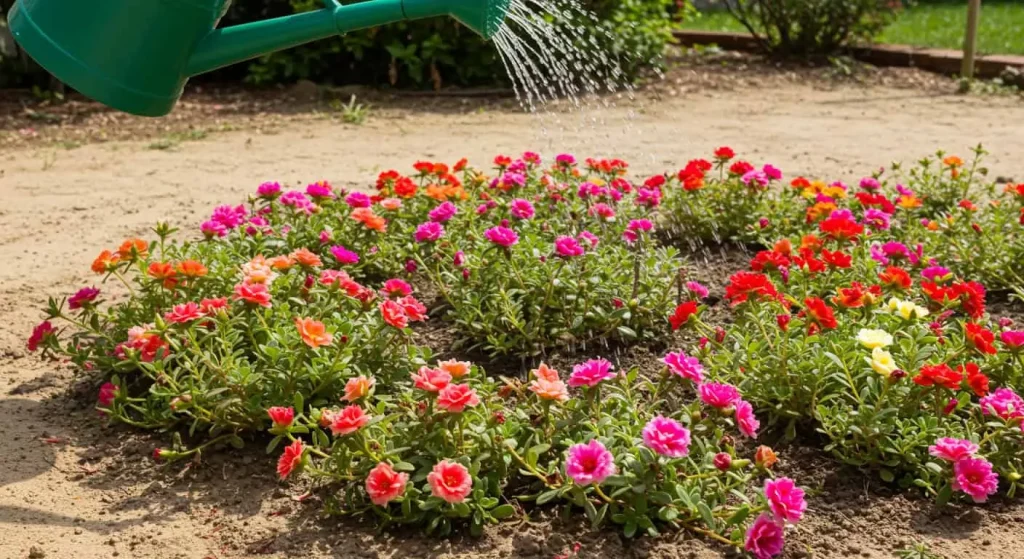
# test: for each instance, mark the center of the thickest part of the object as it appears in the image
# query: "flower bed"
(297, 313)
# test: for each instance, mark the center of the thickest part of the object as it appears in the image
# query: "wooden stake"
(970, 39)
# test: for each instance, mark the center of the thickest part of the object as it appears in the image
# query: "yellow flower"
(872, 339)
(894, 304)
(882, 362)
(907, 309)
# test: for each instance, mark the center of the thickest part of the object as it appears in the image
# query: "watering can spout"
(136, 56)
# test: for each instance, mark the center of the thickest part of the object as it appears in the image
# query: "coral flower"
(764, 538)
(746, 420)
(589, 463)
(874, 338)
(457, 369)
(384, 484)
(192, 269)
(429, 232)
(133, 248)
(393, 314)
(667, 437)
(543, 372)
(40, 333)
(105, 262)
(83, 297)
(974, 476)
(413, 309)
(107, 395)
(455, 398)
(343, 255)
(281, 416)
(896, 277)
(952, 450)
(253, 293)
(431, 380)
(765, 457)
(785, 499)
(313, 332)
(305, 257)
(450, 481)
(348, 420)
(358, 387)
(212, 306)
(684, 366)
(290, 459)
(185, 312)
(553, 390)
(684, 311)
(719, 395)
(591, 373)
(502, 236)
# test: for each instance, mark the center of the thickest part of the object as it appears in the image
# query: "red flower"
(938, 293)
(724, 153)
(841, 228)
(876, 200)
(800, 182)
(744, 285)
(807, 261)
(980, 337)
(740, 168)
(976, 380)
(837, 259)
(254, 293)
(290, 459)
(896, 277)
(348, 420)
(394, 314)
(41, 332)
(852, 297)
(460, 165)
(972, 298)
(939, 375)
(682, 314)
(819, 312)
(783, 321)
(769, 259)
(282, 417)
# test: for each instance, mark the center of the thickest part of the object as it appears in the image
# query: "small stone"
(36, 553)
(78, 531)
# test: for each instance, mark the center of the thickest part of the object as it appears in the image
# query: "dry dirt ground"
(73, 488)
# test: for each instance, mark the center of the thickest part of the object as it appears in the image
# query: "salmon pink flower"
(413, 309)
(457, 369)
(589, 463)
(344, 256)
(384, 484)
(952, 450)
(974, 476)
(396, 288)
(746, 420)
(290, 459)
(568, 247)
(667, 437)
(107, 394)
(281, 416)
(719, 395)
(684, 311)
(306, 257)
(348, 421)
(785, 500)
(553, 390)
(83, 298)
(132, 249)
(602, 210)
(40, 333)
(764, 538)
(443, 212)
(450, 481)
(591, 373)
(431, 380)
(455, 398)
(765, 457)
(521, 209)
(502, 236)
(358, 387)
(684, 366)
(185, 312)
(1003, 403)
(393, 314)
(429, 232)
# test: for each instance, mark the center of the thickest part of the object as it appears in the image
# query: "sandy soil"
(70, 487)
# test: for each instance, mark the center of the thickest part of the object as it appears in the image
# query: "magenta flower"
(590, 238)
(429, 232)
(591, 373)
(684, 366)
(358, 200)
(649, 197)
(953, 450)
(785, 499)
(904, 190)
(410, 266)
(531, 157)
(756, 179)
(565, 160)
(640, 225)
(228, 216)
(719, 395)
(746, 420)
(589, 463)
(482, 209)
(602, 210)
(212, 229)
(772, 172)
(1004, 403)
(877, 219)
(107, 395)
(630, 236)
(297, 200)
(937, 274)
(667, 437)
(1014, 339)
(459, 259)
(521, 209)
(83, 297)
(567, 247)
(974, 476)
(764, 538)
(320, 190)
(443, 212)
(396, 288)
(344, 255)
(502, 236)
(697, 289)
(870, 183)
(269, 190)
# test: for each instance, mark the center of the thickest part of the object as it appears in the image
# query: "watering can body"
(137, 55)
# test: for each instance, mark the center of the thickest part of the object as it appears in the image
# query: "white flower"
(882, 362)
(872, 339)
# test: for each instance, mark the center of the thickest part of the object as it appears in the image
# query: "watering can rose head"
(136, 56)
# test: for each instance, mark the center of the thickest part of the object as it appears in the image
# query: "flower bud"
(1013, 476)
(896, 375)
(723, 461)
(719, 334)
(410, 266)
(726, 440)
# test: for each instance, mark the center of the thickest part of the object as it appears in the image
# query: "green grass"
(936, 24)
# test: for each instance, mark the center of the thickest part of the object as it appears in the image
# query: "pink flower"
(1004, 403)
(697, 289)
(443, 213)
(870, 183)
(253, 293)
(936, 274)
(640, 225)
(185, 312)
(722, 461)
(785, 499)
(358, 200)
(431, 380)
(521, 209)
(719, 395)
(429, 232)
(684, 366)
(764, 538)
(746, 420)
(40, 333)
(396, 288)
(590, 238)
(630, 236)
(83, 297)
(290, 459)
(450, 481)
(589, 463)
(877, 219)
(772, 172)
(602, 210)
(953, 450)
(974, 476)
(320, 190)
(459, 259)
(455, 398)
(282, 417)
(1014, 339)
(667, 437)
(591, 373)
(502, 236)
(344, 255)
(384, 484)
(269, 190)
(349, 420)
(107, 395)
(565, 160)
(212, 229)
(229, 217)
(568, 247)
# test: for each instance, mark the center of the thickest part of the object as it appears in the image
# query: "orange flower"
(105, 262)
(369, 219)
(810, 242)
(765, 457)
(953, 161)
(358, 387)
(313, 333)
(305, 257)
(932, 225)
(280, 263)
(164, 272)
(819, 211)
(192, 269)
(139, 247)
(909, 202)
(457, 369)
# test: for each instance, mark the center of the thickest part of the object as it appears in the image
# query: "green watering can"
(136, 55)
